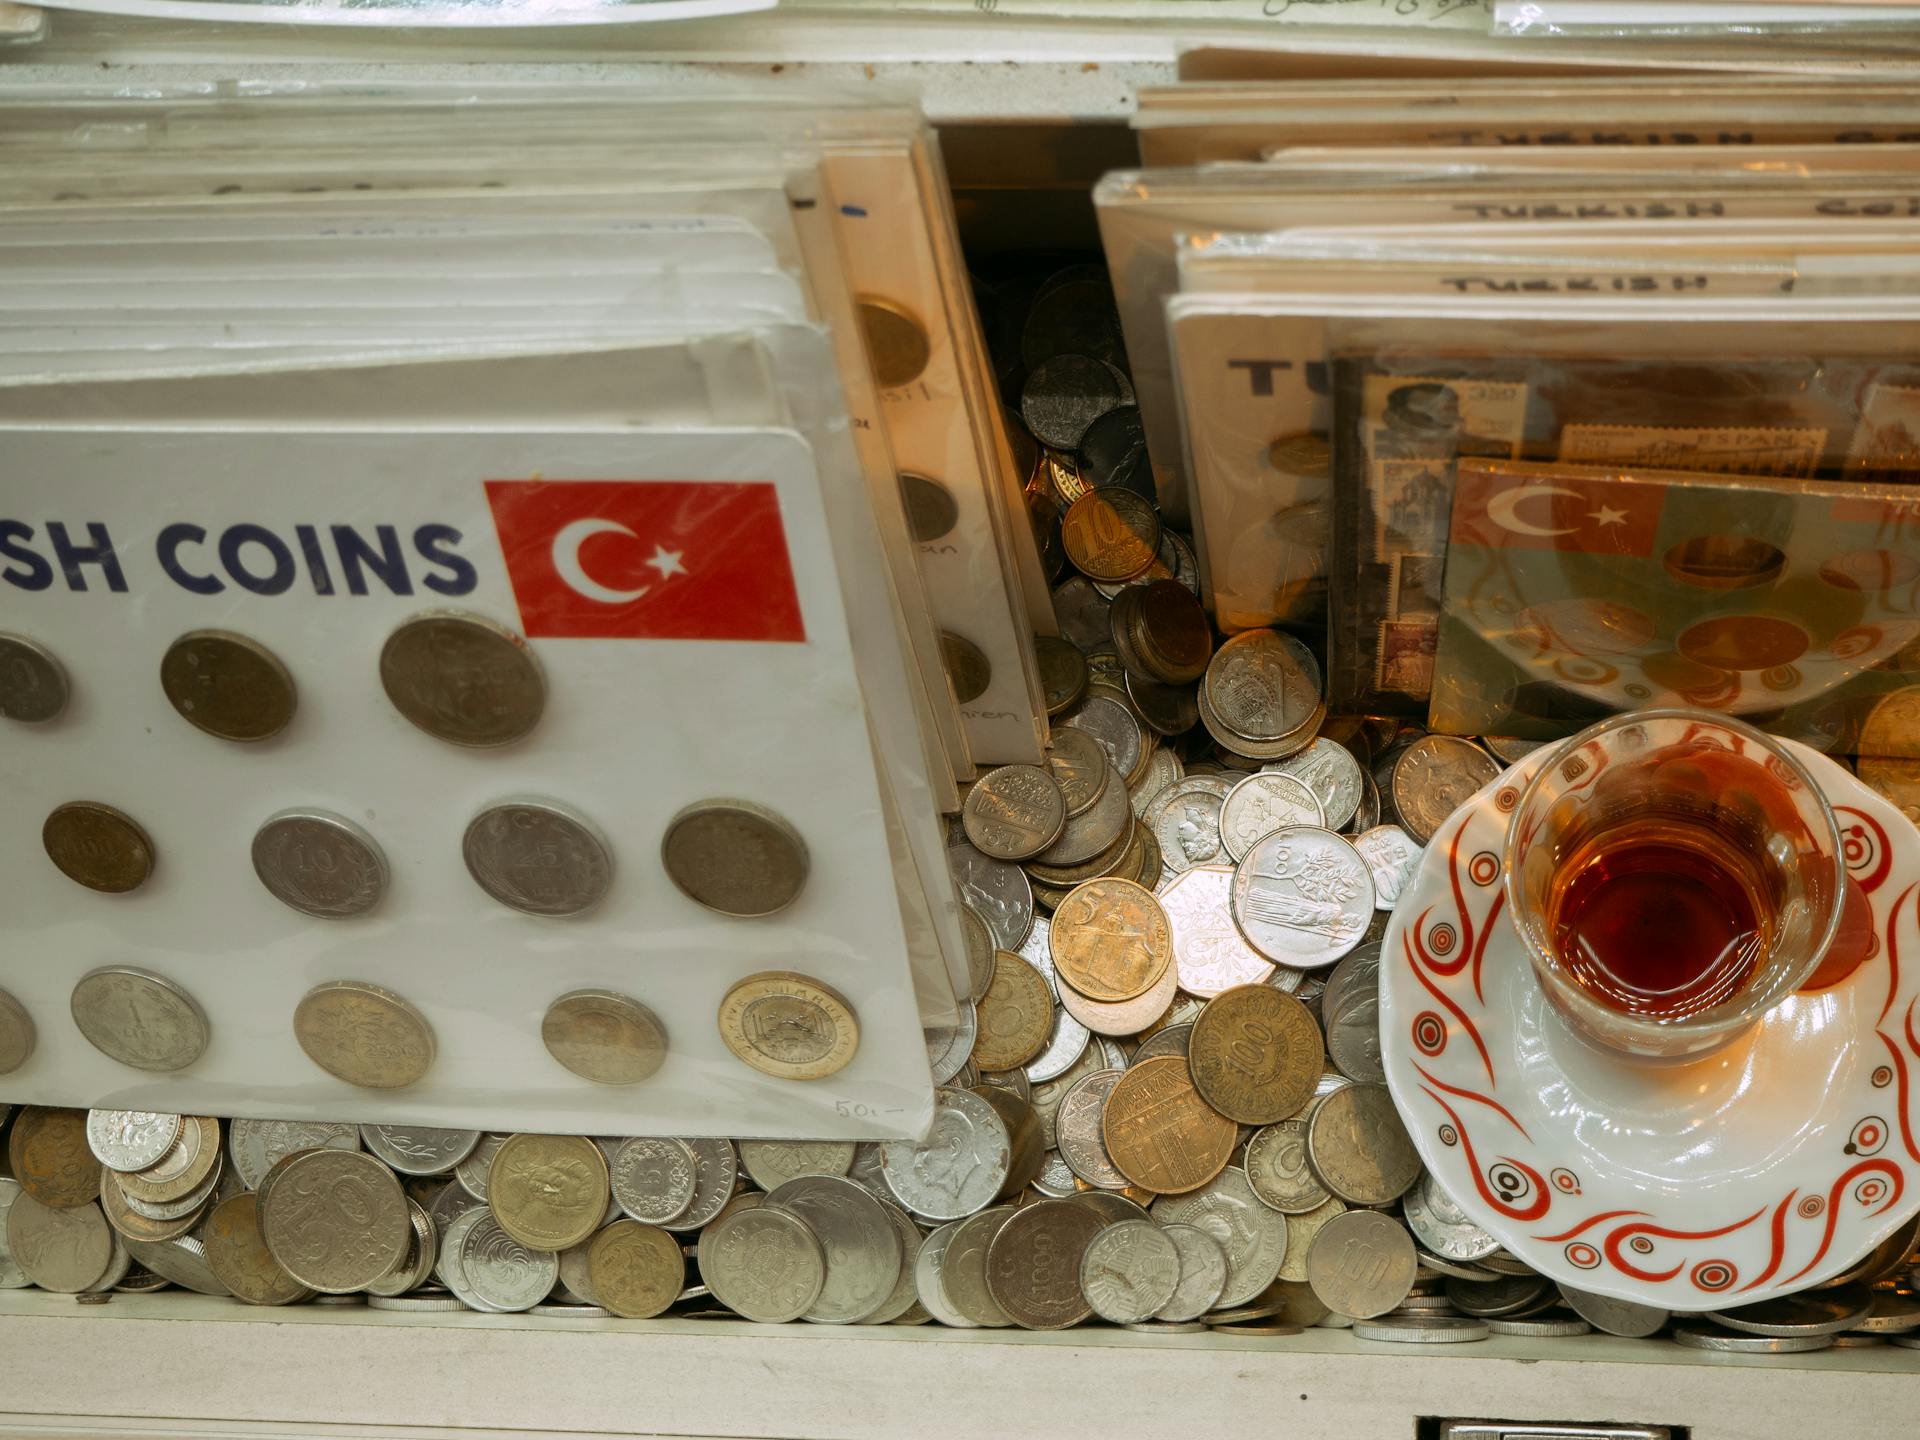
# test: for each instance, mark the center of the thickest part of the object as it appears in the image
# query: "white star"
(667, 562)
(1607, 515)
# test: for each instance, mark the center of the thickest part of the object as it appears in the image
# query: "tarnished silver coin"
(1361, 1264)
(257, 1144)
(904, 1302)
(980, 951)
(1077, 1130)
(1277, 1169)
(33, 684)
(1093, 832)
(1262, 685)
(998, 892)
(771, 1163)
(963, 1273)
(1167, 1040)
(1328, 769)
(1203, 1273)
(1083, 613)
(863, 1248)
(17, 1036)
(1367, 817)
(1544, 1327)
(1894, 1313)
(12, 1277)
(139, 1018)
(419, 1149)
(1615, 1317)
(1391, 858)
(764, 1264)
(319, 863)
(948, 1046)
(1302, 897)
(499, 1270)
(1262, 803)
(1434, 777)
(1014, 812)
(961, 1165)
(1163, 769)
(716, 1170)
(538, 857)
(1422, 1330)
(335, 1220)
(1112, 724)
(66, 1251)
(604, 1036)
(1359, 1148)
(181, 1262)
(1067, 1040)
(1129, 1271)
(1185, 821)
(929, 1277)
(654, 1179)
(1253, 1235)
(228, 685)
(130, 1140)
(463, 679)
(1695, 1335)
(1439, 1223)
(1350, 1015)
(1078, 764)
(1811, 1312)
(735, 857)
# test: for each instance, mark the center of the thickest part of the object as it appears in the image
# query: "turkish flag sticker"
(1507, 508)
(647, 559)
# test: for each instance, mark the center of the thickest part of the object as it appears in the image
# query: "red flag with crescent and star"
(1498, 509)
(647, 559)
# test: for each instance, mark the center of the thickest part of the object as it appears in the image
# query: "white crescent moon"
(1502, 509)
(566, 560)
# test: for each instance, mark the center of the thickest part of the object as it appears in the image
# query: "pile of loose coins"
(470, 683)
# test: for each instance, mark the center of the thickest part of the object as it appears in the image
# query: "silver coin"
(1501, 1297)
(181, 1262)
(1055, 1180)
(1000, 893)
(1263, 685)
(905, 1298)
(1361, 1264)
(1615, 1317)
(1434, 777)
(771, 1163)
(1014, 812)
(1203, 1274)
(503, 1273)
(1163, 769)
(450, 1264)
(1083, 615)
(470, 1175)
(1078, 1134)
(257, 1144)
(1129, 1272)
(1113, 725)
(1442, 1226)
(980, 948)
(950, 1046)
(117, 1267)
(1277, 1169)
(654, 1179)
(1421, 1330)
(929, 1279)
(1894, 1313)
(419, 1304)
(1367, 816)
(1329, 770)
(66, 1251)
(537, 857)
(1185, 821)
(961, 1165)
(422, 1251)
(33, 684)
(571, 1312)
(130, 1140)
(1094, 831)
(139, 1018)
(17, 1038)
(1253, 1235)
(1545, 1327)
(863, 1249)
(716, 1170)
(419, 1149)
(963, 1271)
(320, 864)
(1350, 1014)
(1391, 858)
(1167, 1040)
(1265, 802)
(764, 1264)
(1048, 1095)
(1359, 1148)
(1302, 897)
(1066, 1044)
(12, 1277)
(1818, 1312)
(1696, 1336)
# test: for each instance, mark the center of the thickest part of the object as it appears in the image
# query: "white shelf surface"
(183, 1365)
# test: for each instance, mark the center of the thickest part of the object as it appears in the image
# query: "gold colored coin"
(637, 1270)
(50, 1157)
(227, 685)
(1160, 1134)
(238, 1255)
(98, 846)
(548, 1191)
(789, 1026)
(463, 679)
(1111, 534)
(1110, 939)
(363, 1034)
(604, 1037)
(897, 345)
(1895, 781)
(1256, 1054)
(1016, 1016)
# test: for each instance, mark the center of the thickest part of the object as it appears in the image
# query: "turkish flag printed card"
(1574, 591)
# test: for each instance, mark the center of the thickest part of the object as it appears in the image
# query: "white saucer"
(1761, 1169)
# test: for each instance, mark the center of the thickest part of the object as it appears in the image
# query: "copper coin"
(1161, 1134)
(1110, 940)
(897, 344)
(98, 846)
(1256, 1054)
(49, 1155)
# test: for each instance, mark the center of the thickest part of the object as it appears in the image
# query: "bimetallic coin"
(17, 1036)
(771, 1163)
(33, 684)
(1014, 812)
(419, 1149)
(764, 1264)
(789, 1026)
(64, 1250)
(638, 1270)
(363, 1035)
(129, 1140)
(1391, 858)
(321, 864)
(961, 1165)
(1434, 777)
(604, 1037)
(505, 1273)
(1033, 1264)
(897, 344)
(463, 679)
(1203, 1273)
(1253, 1237)
(257, 1145)
(998, 892)
(1277, 1169)
(538, 858)
(1264, 802)
(336, 1220)
(139, 1018)
(1209, 952)
(1358, 1147)
(1302, 897)
(1078, 764)
(863, 1247)
(1063, 672)
(735, 857)
(1110, 940)
(98, 846)
(1255, 1054)
(548, 1191)
(227, 685)
(239, 1258)
(1162, 1136)
(1016, 1017)
(1361, 1264)
(1129, 1271)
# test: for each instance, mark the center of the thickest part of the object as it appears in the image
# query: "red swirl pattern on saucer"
(1761, 1169)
